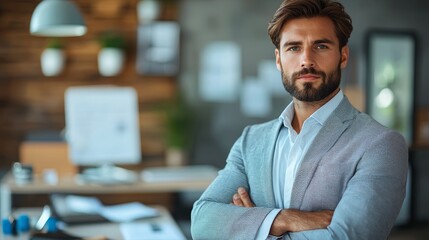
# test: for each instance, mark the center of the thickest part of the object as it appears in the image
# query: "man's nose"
(307, 58)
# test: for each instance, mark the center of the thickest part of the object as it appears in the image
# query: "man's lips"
(308, 77)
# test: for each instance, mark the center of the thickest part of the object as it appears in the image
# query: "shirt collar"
(287, 115)
(321, 115)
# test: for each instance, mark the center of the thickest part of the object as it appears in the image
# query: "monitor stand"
(109, 174)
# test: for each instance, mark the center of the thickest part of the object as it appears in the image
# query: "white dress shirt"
(288, 154)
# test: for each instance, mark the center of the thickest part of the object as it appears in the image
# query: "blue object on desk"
(7, 226)
(23, 223)
(51, 225)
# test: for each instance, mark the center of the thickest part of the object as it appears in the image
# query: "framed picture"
(391, 68)
(158, 48)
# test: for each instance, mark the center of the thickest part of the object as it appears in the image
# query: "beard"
(310, 93)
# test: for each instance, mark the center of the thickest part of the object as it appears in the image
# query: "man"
(323, 170)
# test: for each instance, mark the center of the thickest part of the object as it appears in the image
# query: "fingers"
(242, 198)
(236, 200)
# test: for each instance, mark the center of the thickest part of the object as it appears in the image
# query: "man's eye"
(321, 46)
(293, 49)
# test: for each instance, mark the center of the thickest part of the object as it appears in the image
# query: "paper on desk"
(127, 212)
(151, 231)
(114, 213)
(88, 205)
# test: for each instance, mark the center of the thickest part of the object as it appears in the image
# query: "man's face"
(309, 58)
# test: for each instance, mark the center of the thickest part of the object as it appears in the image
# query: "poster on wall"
(268, 72)
(158, 48)
(220, 72)
(255, 99)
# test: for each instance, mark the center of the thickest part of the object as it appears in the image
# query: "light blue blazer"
(355, 166)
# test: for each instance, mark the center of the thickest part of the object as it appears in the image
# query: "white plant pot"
(175, 157)
(110, 61)
(52, 61)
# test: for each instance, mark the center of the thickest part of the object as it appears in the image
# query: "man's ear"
(278, 62)
(344, 56)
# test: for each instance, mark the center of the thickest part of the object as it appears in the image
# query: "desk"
(71, 185)
(113, 230)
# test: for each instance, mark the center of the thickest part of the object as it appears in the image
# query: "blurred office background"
(229, 35)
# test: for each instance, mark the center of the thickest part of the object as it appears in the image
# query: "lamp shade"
(57, 18)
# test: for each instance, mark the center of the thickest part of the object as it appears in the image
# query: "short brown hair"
(292, 9)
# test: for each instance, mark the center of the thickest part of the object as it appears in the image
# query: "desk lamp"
(57, 18)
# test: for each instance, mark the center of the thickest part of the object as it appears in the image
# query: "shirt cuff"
(264, 229)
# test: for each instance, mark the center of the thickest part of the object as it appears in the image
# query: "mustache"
(308, 71)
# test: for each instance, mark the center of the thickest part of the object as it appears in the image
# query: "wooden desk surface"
(69, 184)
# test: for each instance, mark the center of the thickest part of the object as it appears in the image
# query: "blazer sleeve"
(374, 195)
(214, 217)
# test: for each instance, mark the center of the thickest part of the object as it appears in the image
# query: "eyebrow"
(324, 40)
(319, 41)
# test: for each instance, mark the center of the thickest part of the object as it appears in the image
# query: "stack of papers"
(115, 213)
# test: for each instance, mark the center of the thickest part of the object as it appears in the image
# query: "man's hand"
(292, 220)
(288, 220)
(242, 198)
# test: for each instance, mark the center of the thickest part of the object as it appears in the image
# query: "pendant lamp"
(57, 18)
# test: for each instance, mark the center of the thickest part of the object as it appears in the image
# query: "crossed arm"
(288, 220)
(367, 208)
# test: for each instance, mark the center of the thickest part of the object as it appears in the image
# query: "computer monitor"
(102, 130)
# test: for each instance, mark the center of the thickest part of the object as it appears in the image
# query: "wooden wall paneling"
(107, 8)
(30, 101)
(152, 132)
(155, 91)
(20, 70)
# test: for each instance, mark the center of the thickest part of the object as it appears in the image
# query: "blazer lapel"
(336, 124)
(267, 166)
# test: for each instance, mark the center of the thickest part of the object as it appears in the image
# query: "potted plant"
(178, 132)
(111, 57)
(52, 59)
